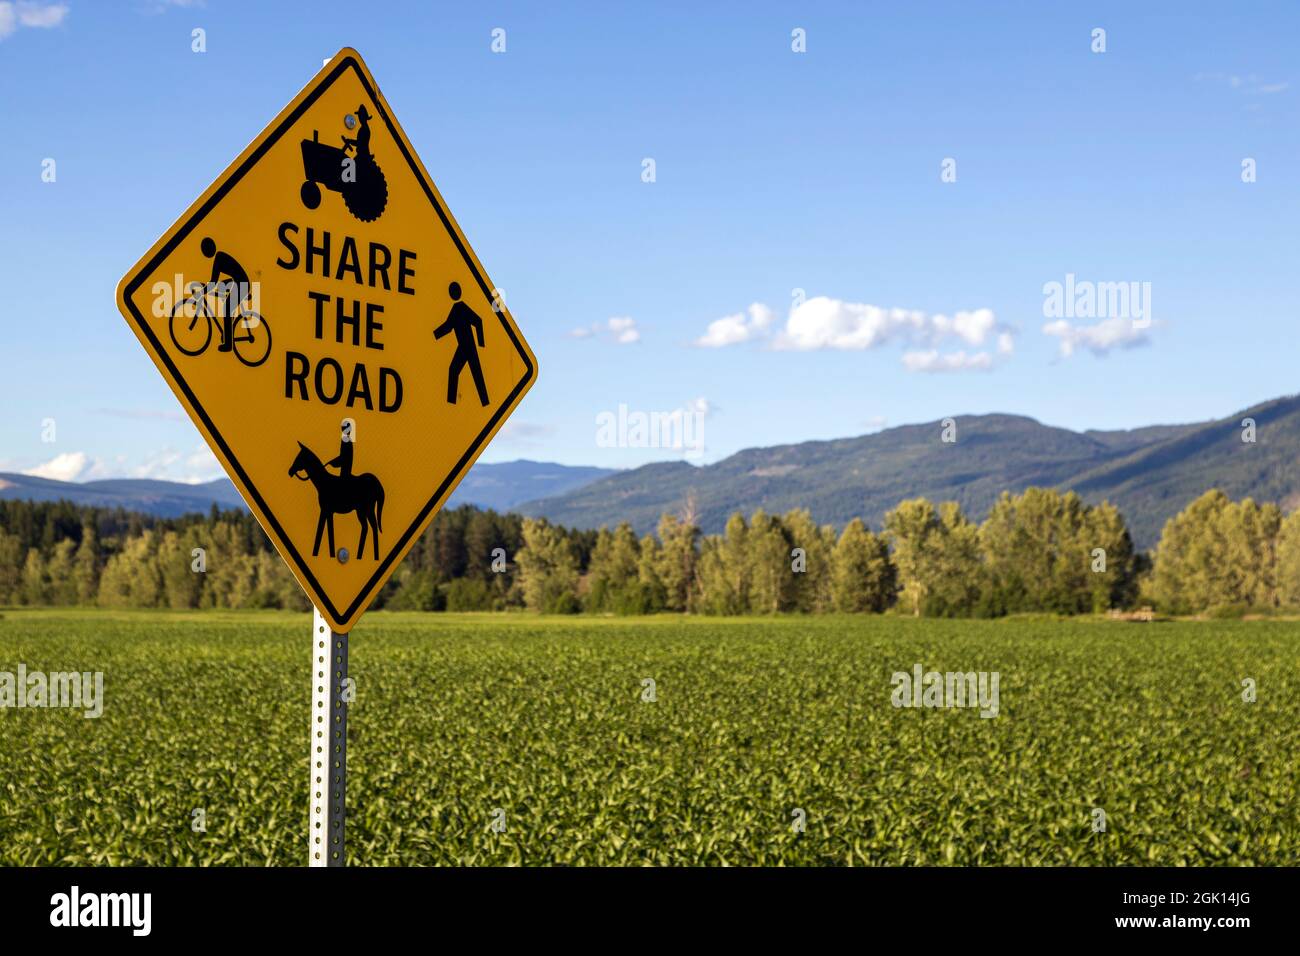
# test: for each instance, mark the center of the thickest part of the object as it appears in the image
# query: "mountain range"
(1150, 473)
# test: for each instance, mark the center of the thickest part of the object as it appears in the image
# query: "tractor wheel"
(367, 197)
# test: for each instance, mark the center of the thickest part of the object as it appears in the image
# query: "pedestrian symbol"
(469, 330)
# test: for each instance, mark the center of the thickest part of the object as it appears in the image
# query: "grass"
(459, 715)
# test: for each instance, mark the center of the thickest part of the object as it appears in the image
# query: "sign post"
(325, 324)
(329, 743)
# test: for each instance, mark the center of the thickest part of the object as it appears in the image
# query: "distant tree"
(1251, 532)
(276, 585)
(679, 537)
(181, 584)
(417, 590)
(11, 561)
(482, 535)
(613, 584)
(650, 596)
(723, 570)
(61, 584)
(910, 529)
(131, 577)
(814, 586)
(1117, 585)
(959, 579)
(36, 583)
(87, 563)
(1288, 562)
(772, 583)
(863, 577)
(1048, 551)
(231, 576)
(1217, 553)
(548, 568)
(937, 554)
(470, 594)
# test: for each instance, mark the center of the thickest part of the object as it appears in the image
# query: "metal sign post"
(329, 743)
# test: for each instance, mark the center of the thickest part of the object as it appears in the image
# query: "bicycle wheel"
(252, 339)
(190, 327)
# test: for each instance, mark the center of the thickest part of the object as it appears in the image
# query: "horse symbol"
(341, 494)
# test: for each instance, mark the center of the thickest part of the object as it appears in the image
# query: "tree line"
(1038, 551)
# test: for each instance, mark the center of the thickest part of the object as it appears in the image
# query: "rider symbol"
(462, 320)
(344, 493)
(234, 291)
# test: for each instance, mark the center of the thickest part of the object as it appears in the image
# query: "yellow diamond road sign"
(323, 320)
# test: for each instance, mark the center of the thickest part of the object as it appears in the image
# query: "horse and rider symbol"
(341, 494)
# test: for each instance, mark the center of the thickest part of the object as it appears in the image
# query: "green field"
(459, 715)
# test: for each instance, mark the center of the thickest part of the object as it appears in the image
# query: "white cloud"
(1251, 84)
(932, 360)
(825, 323)
(530, 434)
(67, 466)
(1098, 338)
(741, 327)
(162, 6)
(192, 467)
(27, 13)
(621, 329)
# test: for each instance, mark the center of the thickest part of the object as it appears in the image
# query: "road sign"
(323, 320)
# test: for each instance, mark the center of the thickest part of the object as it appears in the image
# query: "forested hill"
(1150, 473)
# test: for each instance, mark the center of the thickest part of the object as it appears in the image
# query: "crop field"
(543, 725)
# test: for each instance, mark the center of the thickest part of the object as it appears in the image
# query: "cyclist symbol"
(221, 301)
(365, 192)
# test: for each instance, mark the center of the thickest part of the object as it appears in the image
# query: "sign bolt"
(343, 555)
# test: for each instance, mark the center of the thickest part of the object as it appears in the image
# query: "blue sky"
(774, 171)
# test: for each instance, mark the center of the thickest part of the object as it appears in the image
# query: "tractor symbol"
(358, 178)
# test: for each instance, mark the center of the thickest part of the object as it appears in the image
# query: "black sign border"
(376, 580)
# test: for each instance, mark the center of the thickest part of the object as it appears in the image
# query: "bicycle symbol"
(194, 317)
